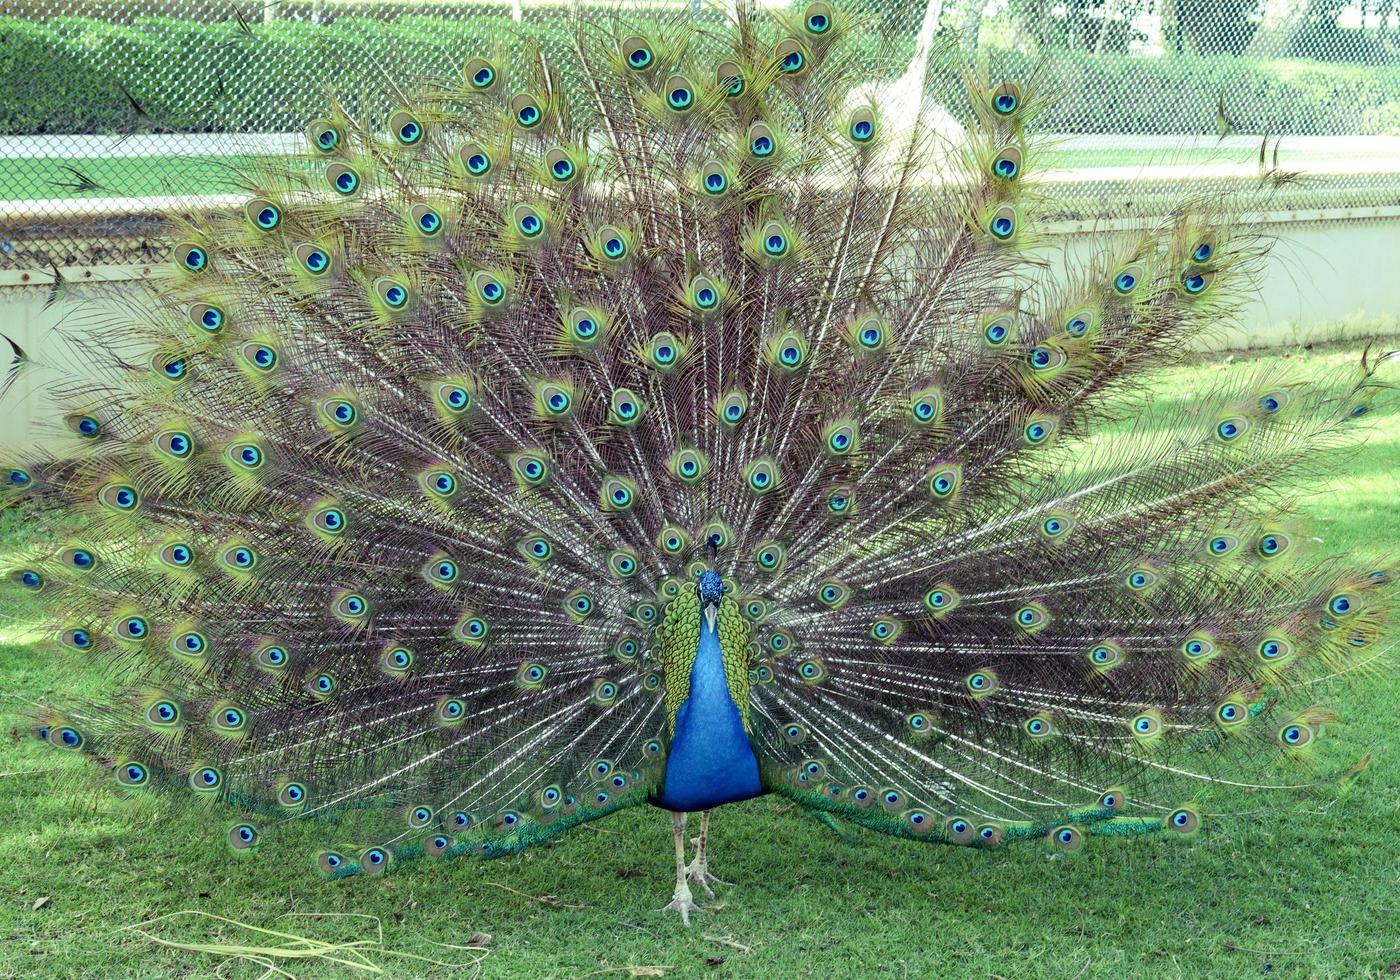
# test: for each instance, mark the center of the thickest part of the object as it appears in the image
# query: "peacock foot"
(697, 872)
(683, 903)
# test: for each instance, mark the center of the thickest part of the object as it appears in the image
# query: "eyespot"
(817, 18)
(374, 861)
(397, 661)
(1002, 223)
(85, 426)
(80, 559)
(313, 258)
(1146, 725)
(998, 329)
(1113, 799)
(441, 570)
(1056, 526)
(780, 642)
(229, 719)
(959, 831)
(1204, 249)
(1105, 656)
(1231, 429)
(1067, 839)
(1080, 322)
(18, 478)
(862, 125)
(1006, 99)
(28, 579)
(789, 351)
(761, 476)
(119, 497)
(419, 817)
(191, 257)
(526, 111)
(604, 692)
(343, 179)
(1219, 545)
(350, 606)
(531, 469)
(1273, 544)
(812, 671)
(531, 675)
(943, 482)
(1040, 430)
(1142, 579)
(791, 57)
(1295, 735)
(1039, 726)
(1195, 283)
(259, 356)
(679, 93)
(755, 609)
(427, 221)
(730, 78)
(989, 835)
(1232, 714)
(451, 712)
(981, 683)
(1274, 650)
(1198, 648)
(406, 129)
(617, 494)
(480, 74)
(189, 645)
(77, 638)
(175, 444)
(330, 862)
(664, 351)
(1006, 165)
(325, 135)
(926, 406)
(489, 289)
(651, 682)
(941, 600)
(560, 164)
(1183, 820)
(579, 604)
(761, 140)
(472, 630)
(242, 836)
(833, 594)
(1343, 604)
(272, 657)
(774, 239)
(1046, 357)
(769, 556)
(475, 159)
(263, 214)
(840, 501)
(886, 630)
(841, 438)
(132, 628)
(206, 780)
(1127, 279)
(637, 53)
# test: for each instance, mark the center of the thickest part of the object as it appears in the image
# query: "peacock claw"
(683, 903)
(697, 872)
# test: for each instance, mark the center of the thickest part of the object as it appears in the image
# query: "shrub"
(193, 76)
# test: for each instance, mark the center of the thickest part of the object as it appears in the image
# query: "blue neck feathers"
(710, 761)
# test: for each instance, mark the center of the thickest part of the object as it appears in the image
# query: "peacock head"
(710, 588)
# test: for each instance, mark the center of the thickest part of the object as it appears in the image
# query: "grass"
(1297, 885)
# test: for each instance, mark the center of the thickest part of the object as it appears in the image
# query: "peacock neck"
(710, 761)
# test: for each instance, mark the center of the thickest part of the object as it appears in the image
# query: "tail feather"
(420, 443)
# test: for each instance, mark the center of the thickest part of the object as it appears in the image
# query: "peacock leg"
(681, 901)
(698, 871)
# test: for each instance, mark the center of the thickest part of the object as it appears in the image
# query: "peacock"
(640, 421)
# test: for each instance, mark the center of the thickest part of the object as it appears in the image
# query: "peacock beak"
(711, 611)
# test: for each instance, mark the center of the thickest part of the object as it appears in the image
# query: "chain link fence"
(113, 111)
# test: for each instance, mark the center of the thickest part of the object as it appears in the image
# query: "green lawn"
(1294, 885)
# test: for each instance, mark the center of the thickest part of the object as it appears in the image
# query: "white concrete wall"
(1325, 280)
